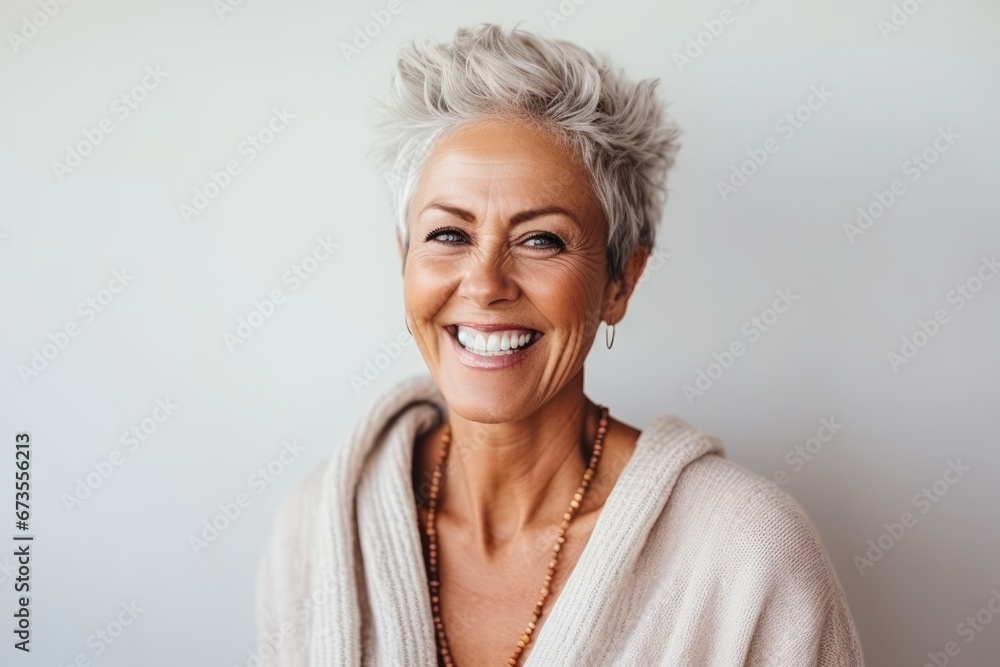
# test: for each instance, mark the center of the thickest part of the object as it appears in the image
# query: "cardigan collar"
(369, 523)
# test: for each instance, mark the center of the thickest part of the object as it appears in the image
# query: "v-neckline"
(588, 561)
(593, 572)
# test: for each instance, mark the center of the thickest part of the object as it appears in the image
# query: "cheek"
(426, 288)
(569, 298)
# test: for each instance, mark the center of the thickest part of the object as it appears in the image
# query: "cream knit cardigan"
(693, 561)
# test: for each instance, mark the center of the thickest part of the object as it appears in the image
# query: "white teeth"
(493, 344)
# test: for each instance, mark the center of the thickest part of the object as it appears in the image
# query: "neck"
(505, 481)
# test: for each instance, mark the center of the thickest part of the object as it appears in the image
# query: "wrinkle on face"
(493, 171)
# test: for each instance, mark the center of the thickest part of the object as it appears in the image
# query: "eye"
(545, 241)
(447, 235)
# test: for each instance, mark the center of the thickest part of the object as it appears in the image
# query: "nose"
(488, 277)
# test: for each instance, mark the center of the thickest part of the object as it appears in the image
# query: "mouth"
(493, 340)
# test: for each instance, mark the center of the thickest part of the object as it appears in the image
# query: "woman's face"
(505, 276)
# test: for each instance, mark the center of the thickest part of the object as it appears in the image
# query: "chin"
(486, 400)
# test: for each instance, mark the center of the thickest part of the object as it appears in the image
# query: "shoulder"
(751, 516)
(743, 527)
(731, 556)
(729, 486)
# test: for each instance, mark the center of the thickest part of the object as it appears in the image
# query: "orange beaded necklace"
(444, 651)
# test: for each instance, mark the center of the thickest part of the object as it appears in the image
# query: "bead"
(431, 530)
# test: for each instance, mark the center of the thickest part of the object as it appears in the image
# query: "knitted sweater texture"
(694, 561)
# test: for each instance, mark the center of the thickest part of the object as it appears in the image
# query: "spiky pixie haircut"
(616, 126)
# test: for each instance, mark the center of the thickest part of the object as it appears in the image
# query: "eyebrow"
(521, 216)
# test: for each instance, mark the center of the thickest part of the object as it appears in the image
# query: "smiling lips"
(489, 341)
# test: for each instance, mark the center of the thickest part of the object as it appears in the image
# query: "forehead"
(526, 162)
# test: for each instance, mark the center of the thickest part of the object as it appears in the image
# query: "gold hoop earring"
(609, 335)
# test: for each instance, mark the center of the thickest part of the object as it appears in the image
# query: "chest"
(486, 606)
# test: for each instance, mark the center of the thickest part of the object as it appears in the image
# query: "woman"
(491, 513)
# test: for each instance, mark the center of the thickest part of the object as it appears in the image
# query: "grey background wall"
(872, 395)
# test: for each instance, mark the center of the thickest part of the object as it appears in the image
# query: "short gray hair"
(618, 127)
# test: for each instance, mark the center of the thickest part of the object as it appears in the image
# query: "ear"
(619, 291)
